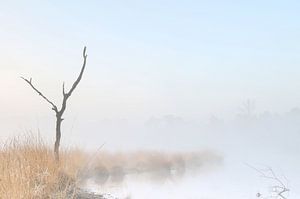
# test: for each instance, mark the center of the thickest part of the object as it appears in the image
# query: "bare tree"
(279, 189)
(59, 112)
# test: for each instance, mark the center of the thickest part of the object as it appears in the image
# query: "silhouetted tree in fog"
(59, 112)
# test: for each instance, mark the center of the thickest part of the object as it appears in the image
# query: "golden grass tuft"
(28, 170)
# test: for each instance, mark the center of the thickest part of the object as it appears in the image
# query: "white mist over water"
(259, 142)
(234, 180)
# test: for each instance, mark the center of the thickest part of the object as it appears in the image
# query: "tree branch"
(54, 107)
(281, 188)
(68, 94)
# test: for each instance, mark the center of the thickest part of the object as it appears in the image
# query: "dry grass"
(158, 166)
(152, 160)
(28, 170)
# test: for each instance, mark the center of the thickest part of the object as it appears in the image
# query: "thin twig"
(278, 189)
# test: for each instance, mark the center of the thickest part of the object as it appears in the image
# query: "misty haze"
(149, 99)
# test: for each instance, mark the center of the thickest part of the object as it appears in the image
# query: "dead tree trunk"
(59, 112)
(57, 137)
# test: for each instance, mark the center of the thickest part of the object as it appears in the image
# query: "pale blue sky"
(151, 58)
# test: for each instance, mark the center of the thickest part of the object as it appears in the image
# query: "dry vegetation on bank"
(28, 168)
